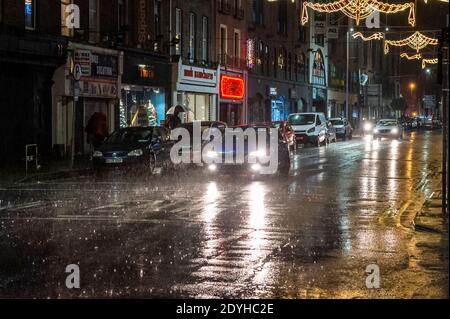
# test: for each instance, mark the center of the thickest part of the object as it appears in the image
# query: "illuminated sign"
(232, 87)
(250, 53)
(272, 91)
(146, 71)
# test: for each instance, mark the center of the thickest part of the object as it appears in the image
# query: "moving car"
(343, 128)
(310, 128)
(388, 128)
(133, 148)
(283, 164)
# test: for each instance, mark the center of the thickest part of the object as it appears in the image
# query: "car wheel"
(351, 136)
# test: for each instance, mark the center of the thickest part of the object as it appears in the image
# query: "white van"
(310, 128)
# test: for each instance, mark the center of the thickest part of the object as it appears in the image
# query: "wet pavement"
(311, 235)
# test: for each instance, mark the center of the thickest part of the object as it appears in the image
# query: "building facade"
(31, 49)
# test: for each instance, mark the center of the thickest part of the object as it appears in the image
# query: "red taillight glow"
(232, 87)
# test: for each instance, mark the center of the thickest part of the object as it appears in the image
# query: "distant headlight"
(257, 154)
(394, 131)
(212, 154)
(375, 130)
(368, 127)
(136, 153)
(97, 154)
(311, 130)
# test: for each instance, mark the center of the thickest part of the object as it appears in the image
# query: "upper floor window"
(178, 31)
(30, 14)
(282, 17)
(237, 47)
(192, 42)
(65, 29)
(223, 49)
(94, 29)
(258, 12)
(205, 33)
(1, 11)
(157, 12)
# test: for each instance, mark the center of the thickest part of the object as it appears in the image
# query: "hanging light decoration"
(428, 61)
(375, 36)
(359, 9)
(411, 57)
(415, 41)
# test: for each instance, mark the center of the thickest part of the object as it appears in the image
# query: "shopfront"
(145, 83)
(88, 84)
(197, 91)
(319, 83)
(281, 105)
(232, 95)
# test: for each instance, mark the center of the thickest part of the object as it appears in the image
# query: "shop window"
(192, 23)
(178, 31)
(94, 31)
(30, 14)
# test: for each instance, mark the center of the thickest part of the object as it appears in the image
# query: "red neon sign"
(232, 87)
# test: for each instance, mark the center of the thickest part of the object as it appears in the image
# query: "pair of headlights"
(394, 131)
(257, 154)
(135, 153)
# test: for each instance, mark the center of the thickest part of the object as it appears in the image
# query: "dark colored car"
(133, 148)
(282, 166)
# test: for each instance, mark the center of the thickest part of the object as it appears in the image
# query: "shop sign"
(232, 87)
(319, 27)
(272, 91)
(104, 65)
(146, 71)
(198, 75)
(318, 69)
(83, 59)
(250, 53)
(105, 89)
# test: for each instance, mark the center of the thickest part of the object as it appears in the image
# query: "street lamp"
(412, 86)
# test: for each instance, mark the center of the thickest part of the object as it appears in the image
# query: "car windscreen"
(337, 122)
(302, 119)
(130, 136)
(387, 123)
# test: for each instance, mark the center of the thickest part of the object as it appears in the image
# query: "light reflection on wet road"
(307, 236)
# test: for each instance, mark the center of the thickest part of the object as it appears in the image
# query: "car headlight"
(97, 154)
(375, 130)
(136, 153)
(368, 127)
(257, 154)
(394, 131)
(212, 154)
(311, 130)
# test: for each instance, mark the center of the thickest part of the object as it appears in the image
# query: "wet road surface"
(311, 235)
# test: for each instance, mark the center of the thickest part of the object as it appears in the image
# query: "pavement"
(344, 208)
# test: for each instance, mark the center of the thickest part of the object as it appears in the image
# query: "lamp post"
(347, 76)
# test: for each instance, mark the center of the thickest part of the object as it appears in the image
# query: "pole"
(347, 78)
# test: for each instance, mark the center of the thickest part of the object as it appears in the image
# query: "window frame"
(33, 18)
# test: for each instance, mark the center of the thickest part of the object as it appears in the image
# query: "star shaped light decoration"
(415, 41)
(358, 9)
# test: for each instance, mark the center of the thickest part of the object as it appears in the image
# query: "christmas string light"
(428, 61)
(375, 36)
(411, 57)
(415, 41)
(359, 9)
